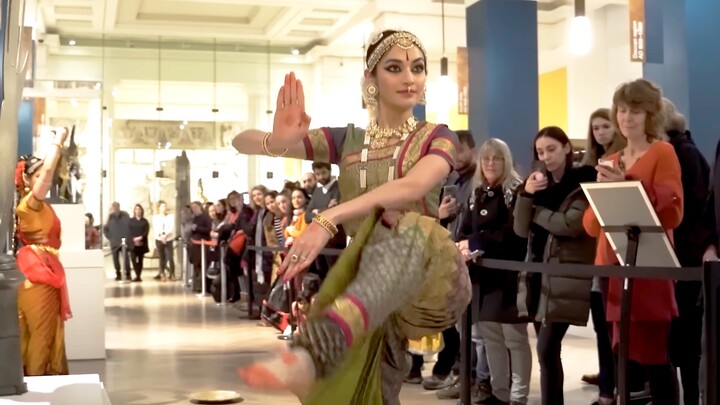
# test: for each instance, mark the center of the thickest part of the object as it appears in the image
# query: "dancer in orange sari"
(43, 299)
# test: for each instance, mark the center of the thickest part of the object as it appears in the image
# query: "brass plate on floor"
(216, 397)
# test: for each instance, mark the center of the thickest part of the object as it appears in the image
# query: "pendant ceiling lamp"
(580, 33)
(159, 107)
(215, 109)
(444, 59)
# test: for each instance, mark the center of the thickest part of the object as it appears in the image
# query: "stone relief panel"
(158, 134)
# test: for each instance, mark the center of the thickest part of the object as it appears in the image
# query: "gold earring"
(27, 189)
(371, 94)
(423, 99)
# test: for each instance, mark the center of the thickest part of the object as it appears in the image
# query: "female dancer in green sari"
(402, 277)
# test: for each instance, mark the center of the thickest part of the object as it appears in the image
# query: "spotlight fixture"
(72, 42)
(296, 52)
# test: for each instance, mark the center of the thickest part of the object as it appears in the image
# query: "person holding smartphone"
(638, 114)
(549, 212)
(487, 231)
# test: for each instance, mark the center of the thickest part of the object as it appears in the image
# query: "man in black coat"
(686, 330)
(712, 213)
(712, 237)
(117, 229)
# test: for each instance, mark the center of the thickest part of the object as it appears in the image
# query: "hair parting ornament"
(402, 39)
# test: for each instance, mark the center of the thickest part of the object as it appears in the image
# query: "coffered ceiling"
(253, 25)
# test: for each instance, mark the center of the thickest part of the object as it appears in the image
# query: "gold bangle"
(265, 141)
(59, 145)
(325, 223)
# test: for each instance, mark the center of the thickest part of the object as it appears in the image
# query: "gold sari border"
(46, 249)
(421, 133)
(319, 146)
(351, 315)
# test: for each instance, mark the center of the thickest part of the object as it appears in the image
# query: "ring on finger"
(294, 258)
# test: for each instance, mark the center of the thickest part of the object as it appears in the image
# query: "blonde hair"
(509, 177)
(595, 151)
(674, 121)
(646, 95)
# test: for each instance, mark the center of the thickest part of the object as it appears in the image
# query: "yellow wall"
(456, 121)
(553, 96)
(553, 102)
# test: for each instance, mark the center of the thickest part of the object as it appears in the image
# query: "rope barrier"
(709, 274)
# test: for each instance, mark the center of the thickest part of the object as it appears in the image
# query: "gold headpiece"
(403, 39)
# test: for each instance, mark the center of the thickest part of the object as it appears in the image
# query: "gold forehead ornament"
(403, 39)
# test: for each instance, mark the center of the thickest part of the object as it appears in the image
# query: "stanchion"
(203, 269)
(251, 291)
(288, 288)
(466, 356)
(711, 281)
(223, 276)
(125, 270)
(188, 266)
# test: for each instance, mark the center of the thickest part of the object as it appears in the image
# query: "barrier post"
(251, 290)
(711, 284)
(223, 276)
(188, 266)
(466, 356)
(203, 269)
(125, 270)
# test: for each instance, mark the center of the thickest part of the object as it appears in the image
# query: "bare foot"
(291, 371)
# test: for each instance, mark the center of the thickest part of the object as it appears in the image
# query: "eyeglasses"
(492, 159)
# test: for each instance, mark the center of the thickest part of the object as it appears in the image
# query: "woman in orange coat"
(637, 113)
(43, 302)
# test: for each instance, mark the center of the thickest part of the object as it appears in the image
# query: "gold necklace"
(380, 136)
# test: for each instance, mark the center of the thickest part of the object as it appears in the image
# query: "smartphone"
(539, 166)
(475, 254)
(606, 162)
(450, 191)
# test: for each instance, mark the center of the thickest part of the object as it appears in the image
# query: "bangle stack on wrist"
(265, 142)
(326, 224)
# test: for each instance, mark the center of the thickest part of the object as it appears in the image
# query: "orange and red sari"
(43, 302)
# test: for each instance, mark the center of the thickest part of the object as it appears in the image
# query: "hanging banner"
(463, 81)
(637, 30)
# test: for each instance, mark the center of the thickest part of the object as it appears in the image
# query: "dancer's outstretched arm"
(290, 125)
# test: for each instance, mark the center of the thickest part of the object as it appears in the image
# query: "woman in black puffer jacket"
(549, 213)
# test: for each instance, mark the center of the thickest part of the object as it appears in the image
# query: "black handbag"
(276, 308)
